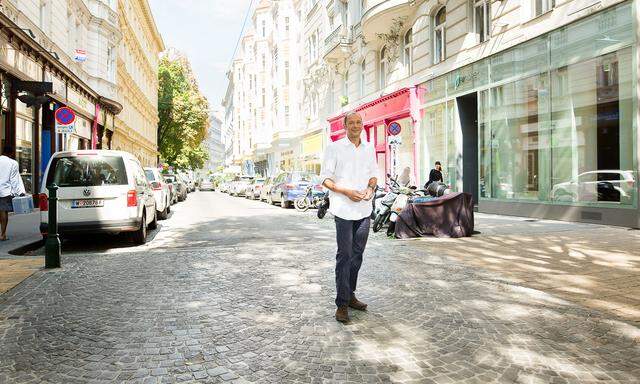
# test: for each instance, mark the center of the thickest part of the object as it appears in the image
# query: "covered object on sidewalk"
(447, 216)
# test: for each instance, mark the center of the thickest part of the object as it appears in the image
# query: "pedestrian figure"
(405, 177)
(349, 171)
(435, 175)
(10, 185)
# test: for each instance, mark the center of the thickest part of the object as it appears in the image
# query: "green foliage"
(184, 115)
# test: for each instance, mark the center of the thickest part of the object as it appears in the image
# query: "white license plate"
(87, 203)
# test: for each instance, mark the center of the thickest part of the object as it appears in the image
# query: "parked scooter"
(308, 200)
(383, 210)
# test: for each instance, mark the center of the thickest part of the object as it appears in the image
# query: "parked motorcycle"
(308, 199)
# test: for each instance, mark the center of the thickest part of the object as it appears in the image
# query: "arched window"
(439, 30)
(408, 51)
(363, 69)
(383, 67)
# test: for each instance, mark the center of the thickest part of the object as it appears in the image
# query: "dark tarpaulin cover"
(447, 216)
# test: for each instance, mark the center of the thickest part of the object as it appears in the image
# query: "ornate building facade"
(136, 63)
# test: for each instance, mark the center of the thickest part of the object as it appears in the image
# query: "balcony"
(337, 45)
(379, 15)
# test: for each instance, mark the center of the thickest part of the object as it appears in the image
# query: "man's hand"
(354, 195)
(368, 194)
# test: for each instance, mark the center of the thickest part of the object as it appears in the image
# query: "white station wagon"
(99, 191)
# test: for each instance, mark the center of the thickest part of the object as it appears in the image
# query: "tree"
(183, 113)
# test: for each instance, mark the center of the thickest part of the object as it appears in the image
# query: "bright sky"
(206, 31)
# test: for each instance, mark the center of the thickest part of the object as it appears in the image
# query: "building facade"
(214, 143)
(62, 44)
(531, 106)
(136, 63)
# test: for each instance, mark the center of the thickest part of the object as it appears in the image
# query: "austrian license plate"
(93, 203)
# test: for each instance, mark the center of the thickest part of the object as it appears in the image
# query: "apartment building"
(136, 64)
(68, 44)
(530, 105)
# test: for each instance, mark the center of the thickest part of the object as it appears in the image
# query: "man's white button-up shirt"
(349, 167)
(10, 181)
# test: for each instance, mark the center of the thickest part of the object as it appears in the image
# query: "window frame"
(382, 67)
(485, 33)
(363, 72)
(441, 29)
(408, 51)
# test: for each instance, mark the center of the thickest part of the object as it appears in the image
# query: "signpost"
(394, 128)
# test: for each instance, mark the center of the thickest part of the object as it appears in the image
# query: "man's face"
(438, 167)
(354, 125)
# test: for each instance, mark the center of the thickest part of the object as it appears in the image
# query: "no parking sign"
(394, 129)
(65, 120)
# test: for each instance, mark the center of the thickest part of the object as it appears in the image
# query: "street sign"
(65, 116)
(80, 55)
(65, 119)
(394, 128)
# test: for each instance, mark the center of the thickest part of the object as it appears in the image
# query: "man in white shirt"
(10, 185)
(349, 171)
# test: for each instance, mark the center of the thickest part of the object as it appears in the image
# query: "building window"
(286, 73)
(263, 98)
(111, 64)
(439, 33)
(345, 84)
(482, 19)
(543, 6)
(408, 51)
(264, 62)
(286, 24)
(264, 29)
(44, 16)
(363, 71)
(383, 67)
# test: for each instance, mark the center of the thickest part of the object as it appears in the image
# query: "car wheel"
(140, 236)
(163, 214)
(154, 223)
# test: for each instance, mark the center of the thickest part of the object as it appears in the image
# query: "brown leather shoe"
(357, 304)
(342, 314)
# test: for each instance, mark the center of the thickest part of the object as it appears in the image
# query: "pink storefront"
(377, 115)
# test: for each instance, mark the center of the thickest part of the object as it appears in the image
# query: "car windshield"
(150, 175)
(300, 177)
(87, 171)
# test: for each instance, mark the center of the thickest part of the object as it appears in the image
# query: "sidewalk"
(23, 230)
(594, 265)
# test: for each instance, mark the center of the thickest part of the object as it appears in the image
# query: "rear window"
(150, 175)
(87, 171)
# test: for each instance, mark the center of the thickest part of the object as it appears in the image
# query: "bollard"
(52, 245)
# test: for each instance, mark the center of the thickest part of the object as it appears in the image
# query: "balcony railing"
(335, 39)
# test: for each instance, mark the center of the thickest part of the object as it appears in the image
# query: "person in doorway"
(349, 171)
(435, 175)
(10, 185)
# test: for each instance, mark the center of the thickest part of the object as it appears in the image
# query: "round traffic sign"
(65, 116)
(394, 128)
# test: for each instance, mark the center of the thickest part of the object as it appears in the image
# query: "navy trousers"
(352, 238)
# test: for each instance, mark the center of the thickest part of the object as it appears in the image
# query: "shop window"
(592, 142)
(482, 19)
(408, 52)
(383, 68)
(439, 35)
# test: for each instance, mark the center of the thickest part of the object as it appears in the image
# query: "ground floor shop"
(545, 129)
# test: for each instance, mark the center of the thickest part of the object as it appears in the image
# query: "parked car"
(161, 192)
(99, 191)
(239, 185)
(173, 187)
(180, 186)
(266, 189)
(288, 186)
(253, 189)
(600, 185)
(206, 185)
(188, 181)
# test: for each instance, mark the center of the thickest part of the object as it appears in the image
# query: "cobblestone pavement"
(243, 292)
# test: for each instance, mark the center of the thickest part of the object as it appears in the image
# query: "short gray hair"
(349, 113)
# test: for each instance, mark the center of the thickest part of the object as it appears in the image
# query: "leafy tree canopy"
(183, 112)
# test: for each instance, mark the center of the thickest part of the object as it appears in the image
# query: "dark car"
(288, 186)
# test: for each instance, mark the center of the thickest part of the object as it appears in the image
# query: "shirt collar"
(348, 142)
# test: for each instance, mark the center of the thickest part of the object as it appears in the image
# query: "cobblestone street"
(236, 290)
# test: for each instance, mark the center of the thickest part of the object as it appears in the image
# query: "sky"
(206, 31)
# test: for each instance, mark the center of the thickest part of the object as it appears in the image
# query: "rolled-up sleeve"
(373, 163)
(329, 161)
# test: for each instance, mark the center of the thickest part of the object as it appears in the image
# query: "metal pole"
(52, 245)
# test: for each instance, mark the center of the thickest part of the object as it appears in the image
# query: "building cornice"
(151, 24)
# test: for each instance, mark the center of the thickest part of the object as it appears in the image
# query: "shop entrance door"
(468, 113)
